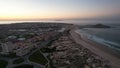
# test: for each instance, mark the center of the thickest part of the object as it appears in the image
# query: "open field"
(37, 57)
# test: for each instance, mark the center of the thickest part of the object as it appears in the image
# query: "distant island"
(100, 26)
(94, 26)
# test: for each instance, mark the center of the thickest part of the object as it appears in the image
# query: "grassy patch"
(24, 66)
(37, 57)
(11, 55)
(18, 61)
(47, 50)
(0, 48)
(3, 63)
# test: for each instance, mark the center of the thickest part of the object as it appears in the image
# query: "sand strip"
(98, 49)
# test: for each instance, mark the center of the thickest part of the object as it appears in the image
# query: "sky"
(59, 9)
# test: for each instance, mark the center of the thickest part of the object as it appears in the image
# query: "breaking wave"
(85, 34)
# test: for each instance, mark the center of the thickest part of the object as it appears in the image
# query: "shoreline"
(71, 55)
(102, 45)
(99, 49)
(110, 44)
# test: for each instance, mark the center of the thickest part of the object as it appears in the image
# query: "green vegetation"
(24, 66)
(18, 61)
(2, 37)
(50, 62)
(37, 57)
(47, 50)
(49, 44)
(0, 48)
(27, 36)
(11, 55)
(3, 63)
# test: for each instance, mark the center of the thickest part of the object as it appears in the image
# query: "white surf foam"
(85, 34)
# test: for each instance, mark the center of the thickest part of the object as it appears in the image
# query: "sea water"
(107, 36)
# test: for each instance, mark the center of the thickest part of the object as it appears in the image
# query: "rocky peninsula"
(100, 26)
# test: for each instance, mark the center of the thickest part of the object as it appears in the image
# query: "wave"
(111, 44)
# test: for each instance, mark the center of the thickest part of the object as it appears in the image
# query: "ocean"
(107, 36)
(76, 22)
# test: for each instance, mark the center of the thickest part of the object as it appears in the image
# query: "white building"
(20, 48)
(7, 47)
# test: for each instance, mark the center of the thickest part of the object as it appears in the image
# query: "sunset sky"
(58, 9)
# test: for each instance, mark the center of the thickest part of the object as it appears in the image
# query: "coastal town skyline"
(59, 33)
(59, 9)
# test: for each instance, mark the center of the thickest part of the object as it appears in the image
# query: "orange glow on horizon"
(46, 15)
(57, 9)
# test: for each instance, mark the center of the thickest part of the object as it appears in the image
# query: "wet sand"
(109, 54)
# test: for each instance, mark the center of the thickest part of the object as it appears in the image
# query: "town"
(20, 41)
(44, 45)
(59, 33)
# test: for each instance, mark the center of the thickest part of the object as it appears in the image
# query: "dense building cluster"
(22, 46)
(22, 38)
(71, 55)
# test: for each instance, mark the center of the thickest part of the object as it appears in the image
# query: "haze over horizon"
(59, 9)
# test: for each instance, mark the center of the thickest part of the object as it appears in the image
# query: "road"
(26, 60)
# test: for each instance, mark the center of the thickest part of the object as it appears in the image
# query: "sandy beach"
(112, 56)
